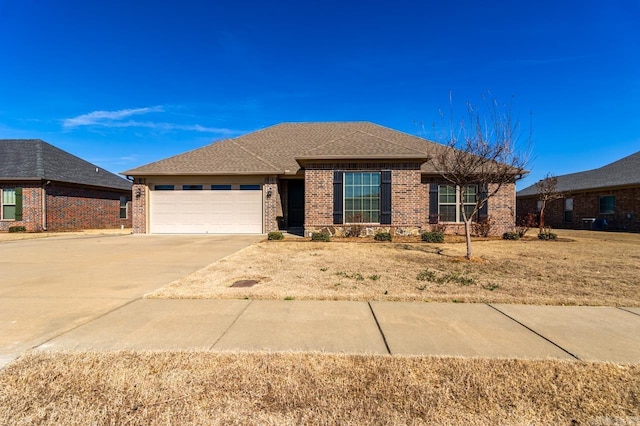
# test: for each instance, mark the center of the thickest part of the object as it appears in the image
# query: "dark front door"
(296, 203)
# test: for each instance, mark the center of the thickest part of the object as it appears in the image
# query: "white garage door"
(206, 212)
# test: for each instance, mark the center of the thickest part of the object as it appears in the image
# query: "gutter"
(44, 205)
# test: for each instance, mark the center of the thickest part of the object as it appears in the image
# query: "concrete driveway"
(53, 285)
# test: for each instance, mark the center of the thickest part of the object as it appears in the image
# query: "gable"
(275, 150)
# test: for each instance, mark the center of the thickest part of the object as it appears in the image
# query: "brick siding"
(139, 206)
(31, 207)
(409, 201)
(72, 208)
(586, 205)
(272, 209)
(68, 207)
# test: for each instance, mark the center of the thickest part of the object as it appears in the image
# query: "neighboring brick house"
(305, 177)
(46, 189)
(607, 198)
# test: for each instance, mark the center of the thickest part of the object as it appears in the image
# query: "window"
(221, 187)
(607, 204)
(362, 197)
(123, 207)
(250, 187)
(568, 209)
(8, 204)
(163, 187)
(449, 205)
(538, 206)
(191, 187)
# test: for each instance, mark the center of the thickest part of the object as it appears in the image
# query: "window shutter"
(18, 203)
(483, 213)
(338, 209)
(433, 203)
(385, 197)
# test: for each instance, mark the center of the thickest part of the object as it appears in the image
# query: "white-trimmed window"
(449, 204)
(123, 207)
(362, 197)
(568, 209)
(8, 204)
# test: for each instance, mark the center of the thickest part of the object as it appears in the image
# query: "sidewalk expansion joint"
(230, 325)
(534, 332)
(384, 338)
(631, 312)
(85, 323)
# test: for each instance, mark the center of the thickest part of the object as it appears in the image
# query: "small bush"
(547, 235)
(433, 237)
(382, 236)
(523, 225)
(275, 235)
(321, 236)
(483, 227)
(17, 229)
(511, 235)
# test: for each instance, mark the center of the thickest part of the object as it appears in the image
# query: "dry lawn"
(294, 388)
(16, 236)
(581, 268)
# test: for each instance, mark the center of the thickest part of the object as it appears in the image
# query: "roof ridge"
(39, 159)
(253, 154)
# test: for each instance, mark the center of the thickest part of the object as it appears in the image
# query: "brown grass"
(581, 268)
(15, 236)
(311, 388)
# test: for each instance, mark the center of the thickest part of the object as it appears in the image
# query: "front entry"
(295, 203)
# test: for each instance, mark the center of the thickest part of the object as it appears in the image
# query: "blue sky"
(124, 83)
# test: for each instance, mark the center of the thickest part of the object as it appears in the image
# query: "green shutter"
(18, 203)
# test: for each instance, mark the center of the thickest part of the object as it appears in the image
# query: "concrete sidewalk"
(448, 329)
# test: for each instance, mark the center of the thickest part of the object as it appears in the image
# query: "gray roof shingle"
(34, 159)
(274, 150)
(623, 172)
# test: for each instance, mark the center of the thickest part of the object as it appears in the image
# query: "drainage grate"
(244, 283)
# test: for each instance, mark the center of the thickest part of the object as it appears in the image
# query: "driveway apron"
(52, 285)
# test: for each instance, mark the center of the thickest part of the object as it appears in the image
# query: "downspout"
(44, 205)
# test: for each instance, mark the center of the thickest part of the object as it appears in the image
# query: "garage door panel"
(231, 211)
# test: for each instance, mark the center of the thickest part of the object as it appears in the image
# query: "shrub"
(547, 235)
(433, 237)
(356, 227)
(321, 236)
(483, 227)
(275, 235)
(523, 225)
(511, 235)
(382, 236)
(17, 229)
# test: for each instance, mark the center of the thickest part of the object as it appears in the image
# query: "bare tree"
(484, 154)
(547, 189)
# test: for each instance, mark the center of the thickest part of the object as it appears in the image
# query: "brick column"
(139, 203)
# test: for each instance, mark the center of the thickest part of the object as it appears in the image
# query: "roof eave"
(13, 179)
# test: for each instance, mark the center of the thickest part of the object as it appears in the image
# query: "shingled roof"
(34, 159)
(278, 149)
(623, 172)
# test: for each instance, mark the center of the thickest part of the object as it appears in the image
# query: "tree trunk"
(467, 234)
